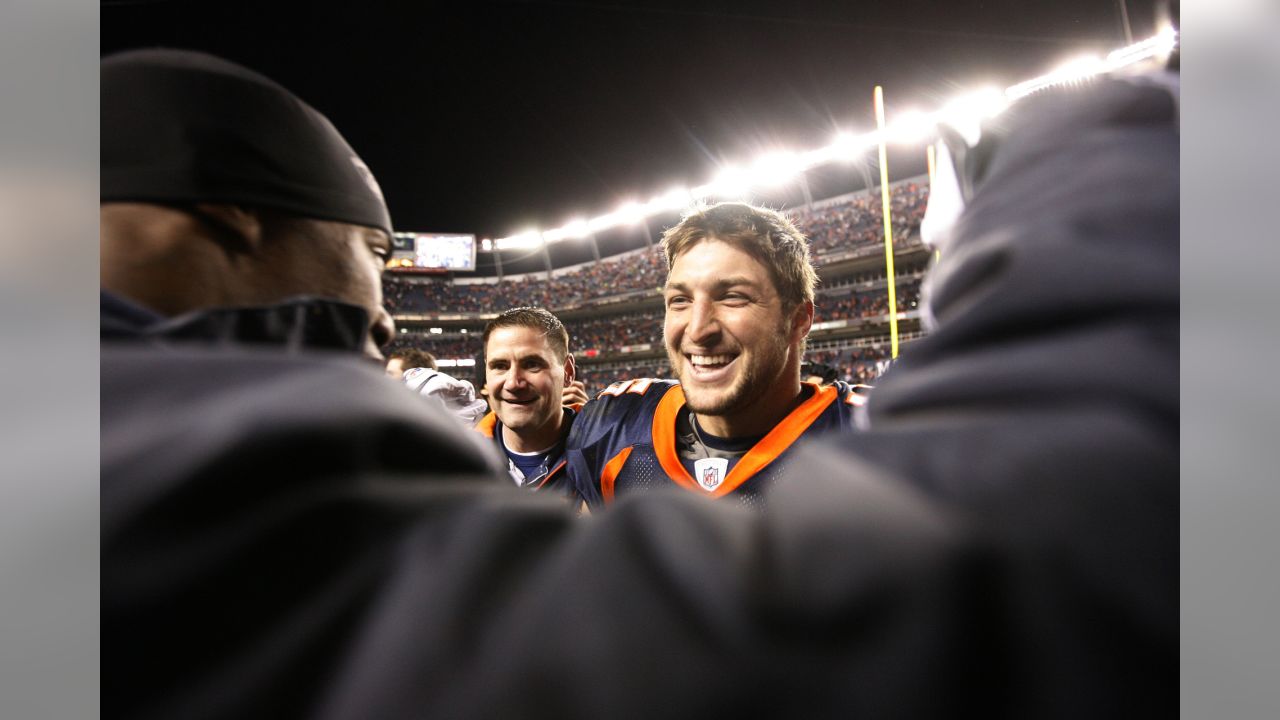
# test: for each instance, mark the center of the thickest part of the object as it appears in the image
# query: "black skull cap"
(180, 126)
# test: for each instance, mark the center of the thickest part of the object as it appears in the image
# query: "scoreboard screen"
(432, 252)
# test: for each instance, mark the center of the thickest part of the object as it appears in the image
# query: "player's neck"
(535, 440)
(758, 418)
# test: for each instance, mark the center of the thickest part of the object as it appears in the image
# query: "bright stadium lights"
(848, 146)
(630, 213)
(576, 229)
(813, 158)
(571, 230)
(436, 331)
(526, 240)
(912, 128)
(775, 169)
(1073, 71)
(603, 222)
(674, 199)
(965, 113)
(1158, 46)
(976, 106)
(730, 183)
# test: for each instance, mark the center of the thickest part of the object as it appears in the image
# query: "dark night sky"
(492, 117)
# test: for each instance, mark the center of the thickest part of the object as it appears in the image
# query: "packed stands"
(850, 223)
(858, 221)
(599, 377)
(614, 315)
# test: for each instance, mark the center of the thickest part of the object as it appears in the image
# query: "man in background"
(401, 361)
(530, 374)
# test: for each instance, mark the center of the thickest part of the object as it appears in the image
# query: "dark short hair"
(414, 358)
(767, 235)
(534, 318)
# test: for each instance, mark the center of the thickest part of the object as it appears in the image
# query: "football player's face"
(726, 335)
(525, 379)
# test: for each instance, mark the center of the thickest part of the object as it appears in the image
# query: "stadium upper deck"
(842, 229)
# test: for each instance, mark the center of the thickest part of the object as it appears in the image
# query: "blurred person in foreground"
(533, 390)
(739, 305)
(256, 472)
(1001, 537)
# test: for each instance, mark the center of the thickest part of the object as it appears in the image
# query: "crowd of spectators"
(866, 304)
(854, 365)
(599, 378)
(843, 226)
(904, 275)
(608, 333)
(464, 346)
(860, 220)
(643, 270)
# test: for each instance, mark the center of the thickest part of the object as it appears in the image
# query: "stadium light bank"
(913, 127)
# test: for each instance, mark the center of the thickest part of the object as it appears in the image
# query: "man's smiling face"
(525, 378)
(726, 333)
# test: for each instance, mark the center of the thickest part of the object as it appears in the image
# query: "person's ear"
(570, 370)
(237, 227)
(801, 321)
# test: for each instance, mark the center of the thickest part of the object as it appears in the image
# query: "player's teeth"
(709, 359)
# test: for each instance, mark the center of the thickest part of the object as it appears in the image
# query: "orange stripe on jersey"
(610, 473)
(779, 438)
(664, 437)
(487, 424)
(757, 458)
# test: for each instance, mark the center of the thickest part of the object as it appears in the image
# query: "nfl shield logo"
(710, 472)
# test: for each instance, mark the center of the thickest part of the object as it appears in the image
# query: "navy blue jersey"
(624, 442)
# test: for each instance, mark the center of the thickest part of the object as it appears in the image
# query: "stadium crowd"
(599, 378)
(866, 304)
(859, 221)
(853, 365)
(852, 223)
(607, 334)
(643, 270)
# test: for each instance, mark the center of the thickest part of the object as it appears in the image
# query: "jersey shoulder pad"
(619, 407)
